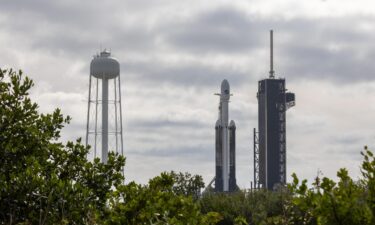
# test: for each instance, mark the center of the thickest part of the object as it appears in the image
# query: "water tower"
(104, 117)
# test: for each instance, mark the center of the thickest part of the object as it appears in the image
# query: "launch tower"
(270, 140)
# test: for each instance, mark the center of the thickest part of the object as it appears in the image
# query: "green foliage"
(228, 205)
(344, 202)
(43, 181)
(240, 221)
(325, 202)
(155, 203)
(368, 173)
(187, 184)
(254, 207)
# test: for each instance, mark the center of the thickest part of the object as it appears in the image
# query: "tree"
(325, 202)
(187, 184)
(43, 181)
(245, 207)
(344, 202)
(156, 203)
(368, 181)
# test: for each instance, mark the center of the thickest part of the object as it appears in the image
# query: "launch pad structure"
(270, 139)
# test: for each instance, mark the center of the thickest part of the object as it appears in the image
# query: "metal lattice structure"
(282, 134)
(256, 159)
(104, 131)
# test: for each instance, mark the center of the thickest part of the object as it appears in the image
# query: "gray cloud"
(327, 48)
(190, 74)
(224, 30)
(160, 124)
(196, 152)
(331, 49)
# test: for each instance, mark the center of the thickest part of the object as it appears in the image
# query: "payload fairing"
(225, 143)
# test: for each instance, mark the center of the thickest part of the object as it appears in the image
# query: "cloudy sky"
(173, 56)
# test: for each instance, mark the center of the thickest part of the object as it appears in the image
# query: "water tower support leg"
(105, 120)
(88, 113)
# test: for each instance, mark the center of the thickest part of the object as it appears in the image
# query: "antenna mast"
(272, 72)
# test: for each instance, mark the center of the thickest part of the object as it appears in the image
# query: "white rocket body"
(224, 100)
(225, 161)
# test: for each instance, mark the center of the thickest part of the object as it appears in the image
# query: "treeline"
(44, 181)
(324, 202)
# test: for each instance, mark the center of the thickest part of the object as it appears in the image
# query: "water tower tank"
(103, 66)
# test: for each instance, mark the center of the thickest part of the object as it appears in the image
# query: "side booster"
(225, 145)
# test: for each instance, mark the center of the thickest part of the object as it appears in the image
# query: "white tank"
(104, 66)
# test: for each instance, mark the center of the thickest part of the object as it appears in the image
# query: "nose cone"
(225, 89)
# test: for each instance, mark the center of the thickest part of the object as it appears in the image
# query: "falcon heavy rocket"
(225, 144)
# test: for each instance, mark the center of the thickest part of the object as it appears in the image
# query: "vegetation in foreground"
(44, 181)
